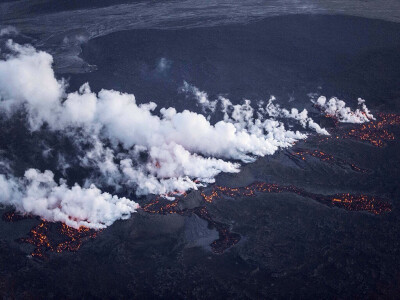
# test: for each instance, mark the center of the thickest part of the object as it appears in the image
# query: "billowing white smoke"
(161, 153)
(38, 194)
(118, 116)
(302, 117)
(201, 97)
(8, 30)
(169, 168)
(242, 115)
(337, 108)
(27, 78)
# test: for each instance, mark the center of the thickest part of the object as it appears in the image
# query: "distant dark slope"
(49, 6)
(285, 56)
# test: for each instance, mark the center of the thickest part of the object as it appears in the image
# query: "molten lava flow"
(376, 132)
(161, 206)
(315, 153)
(303, 153)
(13, 216)
(226, 238)
(360, 202)
(38, 238)
(57, 237)
(53, 237)
(347, 201)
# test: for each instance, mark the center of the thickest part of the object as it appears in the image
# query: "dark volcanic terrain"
(318, 220)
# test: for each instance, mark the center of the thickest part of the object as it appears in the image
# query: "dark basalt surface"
(288, 57)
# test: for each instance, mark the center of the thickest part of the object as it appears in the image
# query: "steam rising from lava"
(38, 194)
(337, 109)
(132, 146)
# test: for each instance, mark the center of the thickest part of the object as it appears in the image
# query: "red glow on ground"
(302, 154)
(359, 202)
(377, 132)
(57, 237)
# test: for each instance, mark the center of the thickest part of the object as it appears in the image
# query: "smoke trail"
(130, 145)
(337, 108)
(38, 194)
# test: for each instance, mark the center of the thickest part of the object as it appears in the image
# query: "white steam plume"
(117, 114)
(131, 146)
(201, 97)
(27, 78)
(337, 108)
(302, 117)
(8, 30)
(243, 114)
(38, 194)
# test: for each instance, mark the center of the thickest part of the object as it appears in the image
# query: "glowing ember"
(57, 237)
(376, 132)
(161, 206)
(226, 238)
(360, 202)
(13, 216)
(302, 153)
(347, 201)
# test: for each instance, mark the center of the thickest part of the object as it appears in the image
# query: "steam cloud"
(37, 193)
(201, 97)
(131, 145)
(338, 109)
(8, 30)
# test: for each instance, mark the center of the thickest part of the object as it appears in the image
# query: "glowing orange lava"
(161, 206)
(13, 216)
(377, 132)
(226, 238)
(57, 237)
(323, 156)
(347, 201)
